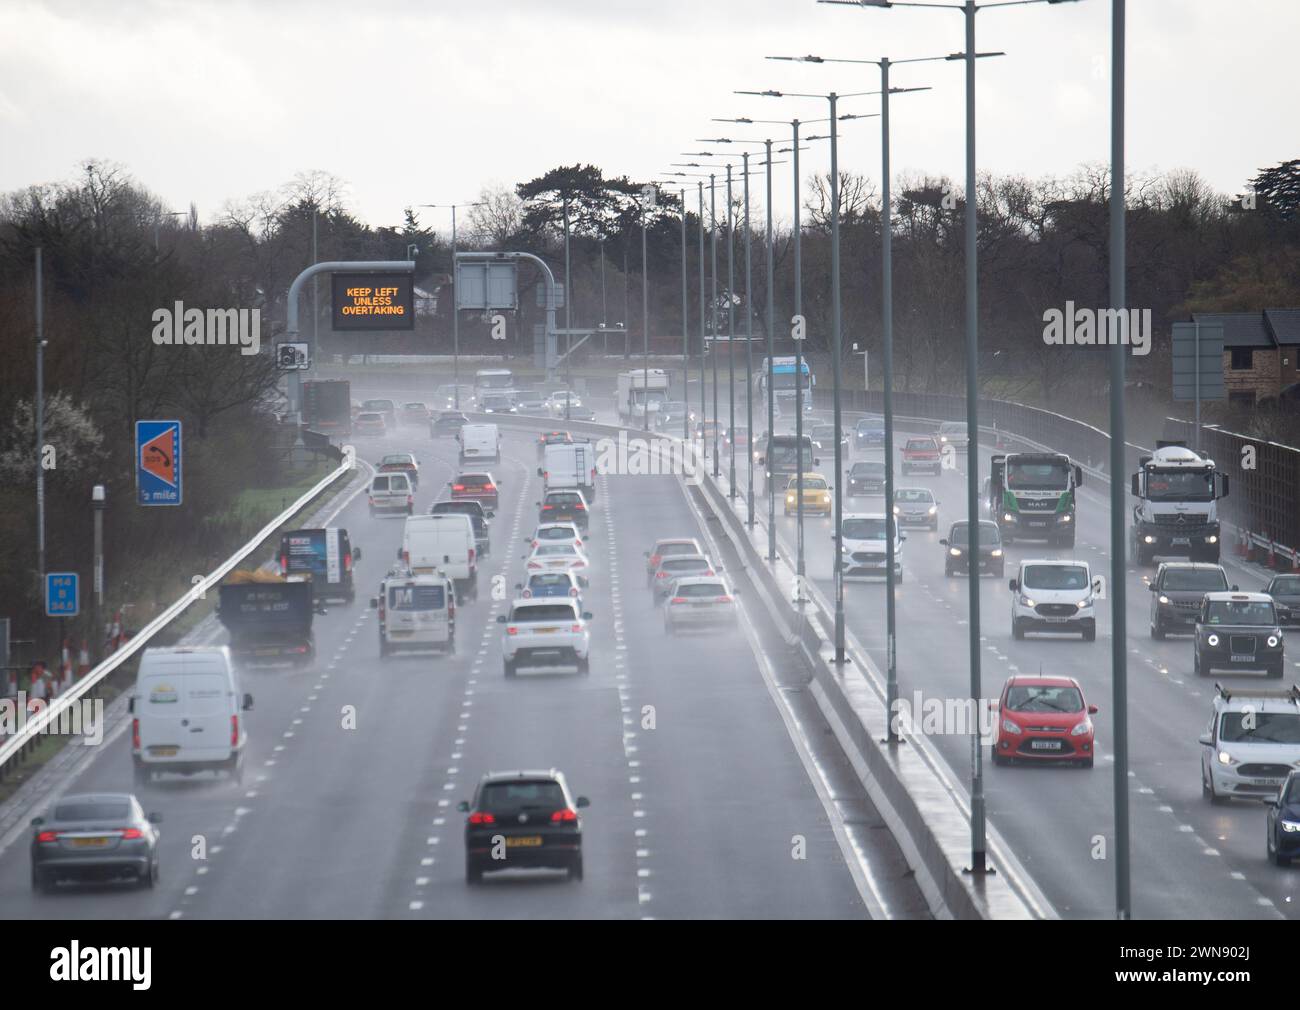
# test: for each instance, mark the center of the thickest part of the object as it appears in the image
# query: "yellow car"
(816, 495)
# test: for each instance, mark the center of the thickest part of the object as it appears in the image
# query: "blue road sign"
(62, 598)
(158, 462)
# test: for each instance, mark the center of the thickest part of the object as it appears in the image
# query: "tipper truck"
(268, 617)
(1176, 515)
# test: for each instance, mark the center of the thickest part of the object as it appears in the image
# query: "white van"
(480, 441)
(416, 612)
(185, 713)
(570, 464)
(442, 543)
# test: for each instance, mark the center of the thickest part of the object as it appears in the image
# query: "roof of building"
(1269, 328)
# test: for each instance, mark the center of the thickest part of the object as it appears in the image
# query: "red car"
(479, 487)
(922, 454)
(1043, 719)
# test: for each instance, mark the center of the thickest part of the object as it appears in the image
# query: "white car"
(546, 632)
(555, 403)
(699, 601)
(679, 566)
(560, 557)
(1251, 743)
(557, 533)
(1051, 595)
(863, 550)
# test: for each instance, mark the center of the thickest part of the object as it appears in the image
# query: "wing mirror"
(501, 618)
(248, 703)
(1093, 710)
(374, 603)
(356, 553)
(582, 801)
(1014, 584)
(1206, 741)
(944, 541)
(586, 615)
(463, 806)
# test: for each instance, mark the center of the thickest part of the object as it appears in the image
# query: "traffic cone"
(83, 660)
(1243, 543)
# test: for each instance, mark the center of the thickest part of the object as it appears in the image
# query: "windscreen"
(913, 495)
(1054, 577)
(988, 534)
(872, 528)
(519, 797)
(786, 454)
(868, 470)
(1261, 727)
(93, 811)
(1286, 585)
(1046, 476)
(1239, 612)
(1165, 485)
(416, 597)
(494, 380)
(1185, 580)
(1044, 699)
(541, 613)
(702, 590)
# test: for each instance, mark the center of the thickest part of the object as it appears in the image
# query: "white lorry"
(1176, 515)
(570, 464)
(638, 390)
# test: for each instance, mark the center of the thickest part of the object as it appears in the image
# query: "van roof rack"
(1291, 693)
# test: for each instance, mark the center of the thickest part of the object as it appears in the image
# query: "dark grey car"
(1285, 590)
(957, 548)
(95, 837)
(866, 477)
(1177, 591)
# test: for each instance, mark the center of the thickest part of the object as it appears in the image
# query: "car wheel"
(473, 872)
(1158, 631)
(383, 645)
(584, 666)
(947, 571)
(140, 775)
(1090, 634)
(1275, 671)
(39, 883)
(149, 879)
(509, 667)
(899, 577)
(1017, 630)
(1086, 763)
(998, 759)
(1196, 663)
(575, 869)
(1279, 859)
(1207, 790)
(668, 627)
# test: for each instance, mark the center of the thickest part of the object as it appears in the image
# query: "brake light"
(678, 599)
(573, 592)
(580, 507)
(547, 508)
(477, 818)
(535, 543)
(406, 557)
(234, 731)
(47, 836)
(410, 499)
(580, 564)
(511, 629)
(724, 599)
(458, 487)
(655, 559)
(128, 834)
(661, 575)
(534, 564)
(528, 594)
(709, 572)
(471, 555)
(135, 734)
(347, 562)
(284, 564)
(565, 816)
(577, 543)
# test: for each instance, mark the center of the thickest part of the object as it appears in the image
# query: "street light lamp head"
(97, 494)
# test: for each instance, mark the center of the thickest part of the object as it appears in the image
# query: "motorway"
(1189, 858)
(733, 805)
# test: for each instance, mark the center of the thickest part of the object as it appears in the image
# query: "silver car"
(699, 602)
(95, 837)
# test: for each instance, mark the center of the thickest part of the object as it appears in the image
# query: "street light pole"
(703, 406)
(455, 311)
(836, 322)
(771, 419)
(645, 322)
(686, 340)
(1118, 546)
(731, 350)
(797, 333)
(749, 352)
(713, 277)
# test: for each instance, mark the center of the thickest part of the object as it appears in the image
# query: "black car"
(478, 517)
(1283, 823)
(95, 837)
(1238, 631)
(957, 548)
(867, 477)
(564, 506)
(448, 423)
(1177, 592)
(523, 820)
(1285, 590)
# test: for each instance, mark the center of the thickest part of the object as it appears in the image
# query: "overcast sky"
(426, 102)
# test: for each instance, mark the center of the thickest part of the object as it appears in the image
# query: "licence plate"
(165, 752)
(1045, 744)
(88, 843)
(1266, 782)
(1056, 620)
(1181, 541)
(266, 652)
(546, 631)
(1037, 522)
(1243, 658)
(523, 841)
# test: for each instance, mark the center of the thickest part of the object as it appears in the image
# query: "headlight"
(1081, 728)
(954, 552)
(1065, 518)
(1226, 759)
(1272, 641)
(1009, 727)
(1211, 540)
(1025, 601)
(997, 552)
(934, 509)
(1162, 598)
(1008, 517)
(1085, 603)
(1149, 539)
(789, 499)
(1290, 826)
(897, 510)
(1212, 640)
